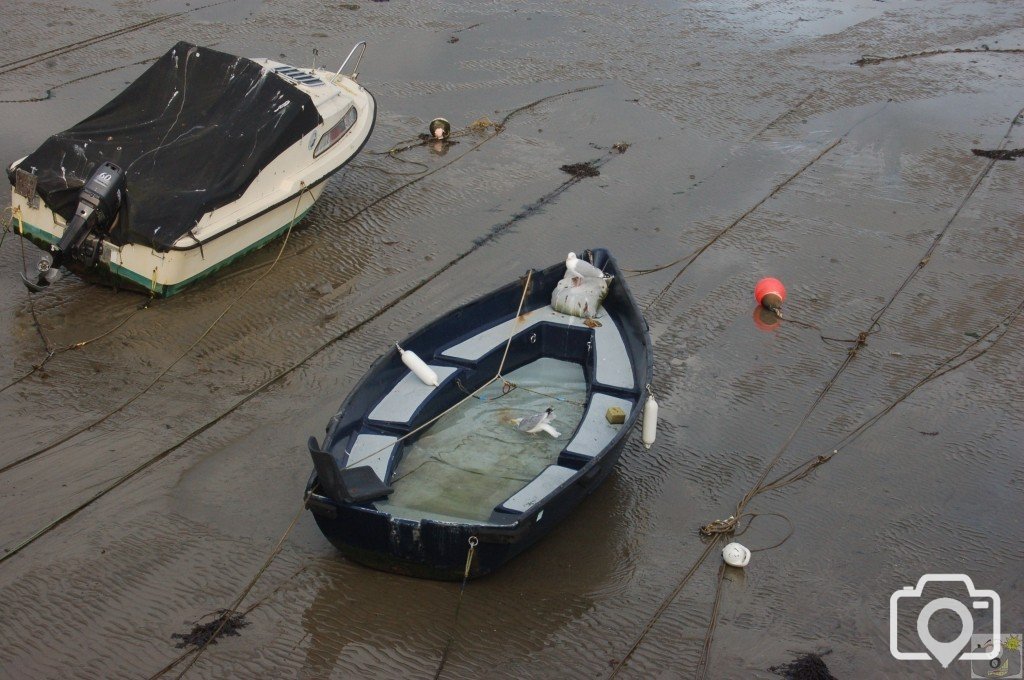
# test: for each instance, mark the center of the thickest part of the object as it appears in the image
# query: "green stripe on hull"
(44, 239)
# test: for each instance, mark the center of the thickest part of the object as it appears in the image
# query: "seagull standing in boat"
(581, 269)
(537, 423)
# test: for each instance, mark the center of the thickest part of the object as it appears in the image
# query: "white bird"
(537, 423)
(581, 269)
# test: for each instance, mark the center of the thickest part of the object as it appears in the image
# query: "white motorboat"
(203, 158)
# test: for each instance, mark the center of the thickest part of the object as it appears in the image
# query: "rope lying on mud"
(228, 613)
(50, 90)
(687, 260)
(871, 60)
(458, 607)
(719, 529)
(233, 610)
(47, 346)
(182, 355)
(208, 636)
(81, 44)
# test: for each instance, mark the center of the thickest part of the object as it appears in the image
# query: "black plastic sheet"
(192, 133)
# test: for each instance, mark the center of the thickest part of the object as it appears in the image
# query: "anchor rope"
(16, 549)
(75, 46)
(458, 606)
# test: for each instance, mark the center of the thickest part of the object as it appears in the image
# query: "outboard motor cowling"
(99, 203)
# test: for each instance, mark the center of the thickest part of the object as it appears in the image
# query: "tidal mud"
(756, 148)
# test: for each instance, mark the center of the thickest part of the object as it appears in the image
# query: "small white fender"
(416, 365)
(650, 427)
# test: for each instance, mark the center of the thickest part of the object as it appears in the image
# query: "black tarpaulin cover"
(192, 133)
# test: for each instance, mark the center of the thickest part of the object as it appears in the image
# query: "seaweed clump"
(581, 170)
(203, 634)
(999, 154)
(804, 667)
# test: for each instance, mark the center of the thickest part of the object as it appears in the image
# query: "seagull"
(537, 422)
(582, 269)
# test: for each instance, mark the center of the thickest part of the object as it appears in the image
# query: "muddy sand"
(148, 480)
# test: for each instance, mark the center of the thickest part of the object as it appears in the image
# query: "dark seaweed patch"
(581, 170)
(804, 667)
(999, 154)
(202, 634)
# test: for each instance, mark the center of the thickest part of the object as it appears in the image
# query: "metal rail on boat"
(359, 60)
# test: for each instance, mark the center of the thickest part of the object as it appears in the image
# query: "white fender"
(650, 428)
(416, 365)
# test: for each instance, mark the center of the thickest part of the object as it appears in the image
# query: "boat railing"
(361, 46)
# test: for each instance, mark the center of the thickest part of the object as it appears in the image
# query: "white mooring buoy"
(736, 555)
(650, 427)
(417, 366)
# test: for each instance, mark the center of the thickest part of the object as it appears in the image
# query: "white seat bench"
(542, 486)
(613, 366)
(400, 404)
(595, 432)
(374, 450)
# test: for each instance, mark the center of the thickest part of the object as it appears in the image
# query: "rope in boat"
(458, 606)
(718, 529)
(471, 395)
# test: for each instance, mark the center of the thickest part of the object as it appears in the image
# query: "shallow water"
(722, 104)
(474, 458)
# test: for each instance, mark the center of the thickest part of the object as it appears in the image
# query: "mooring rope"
(75, 46)
(226, 616)
(458, 606)
(15, 550)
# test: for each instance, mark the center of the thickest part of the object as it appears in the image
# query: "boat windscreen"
(474, 458)
(191, 133)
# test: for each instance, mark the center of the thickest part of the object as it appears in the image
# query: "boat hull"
(277, 199)
(438, 550)
(136, 267)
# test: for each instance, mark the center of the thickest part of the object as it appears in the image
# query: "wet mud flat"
(149, 479)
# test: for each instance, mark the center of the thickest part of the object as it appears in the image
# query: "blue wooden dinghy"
(410, 473)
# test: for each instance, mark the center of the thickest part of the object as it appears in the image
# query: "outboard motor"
(99, 202)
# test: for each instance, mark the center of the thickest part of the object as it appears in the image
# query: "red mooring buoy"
(770, 294)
